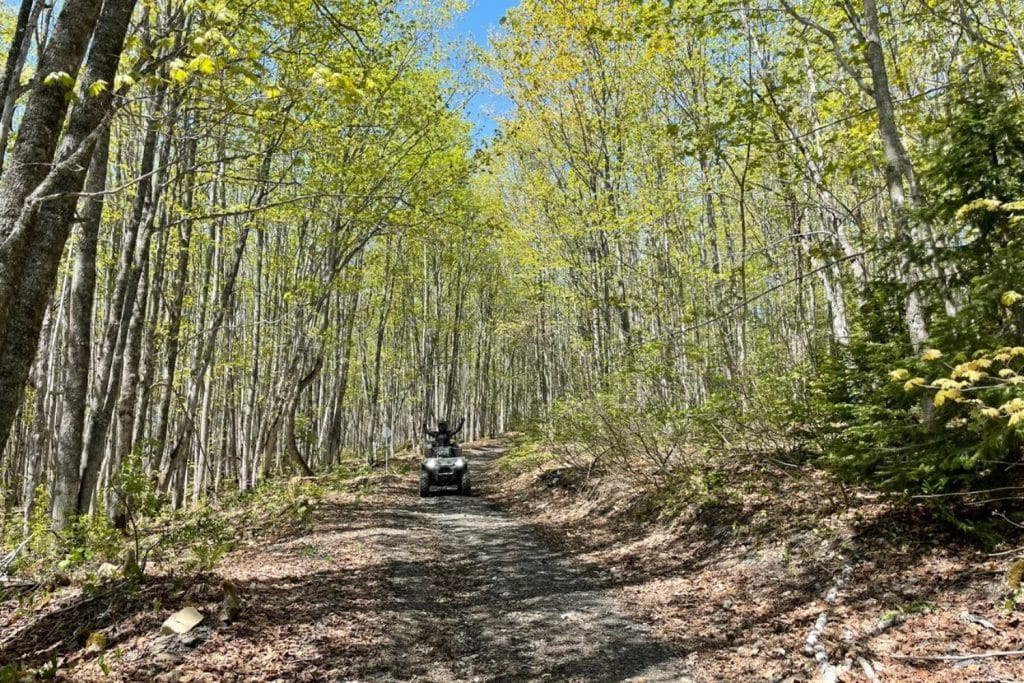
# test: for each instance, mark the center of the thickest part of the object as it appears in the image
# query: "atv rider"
(443, 436)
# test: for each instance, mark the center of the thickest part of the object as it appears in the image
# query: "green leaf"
(98, 88)
(123, 82)
(61, 78)
(204, 64)
(177, 70)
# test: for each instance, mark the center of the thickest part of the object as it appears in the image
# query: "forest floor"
(739, 581)
(540, 577)
(379, 585)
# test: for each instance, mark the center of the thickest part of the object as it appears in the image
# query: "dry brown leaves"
(737, 586)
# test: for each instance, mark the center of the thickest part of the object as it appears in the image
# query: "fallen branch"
(962, 658)
(812, 644)
(869, 671)
(10, 557)
(952, 494)
(968, 618)
(12, 582)
(892, 619)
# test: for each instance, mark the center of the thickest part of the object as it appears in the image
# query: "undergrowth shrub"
(704, 487)
(947, 423)
(195, 538)
(673, 456)
(639, 439)
(87, 541)
(525, 456)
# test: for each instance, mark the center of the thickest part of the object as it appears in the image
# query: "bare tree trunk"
(897, 168)
(16, 56)
(174, 313)
(79, 345)
(32, 237)
(134, 253)
(291, 443)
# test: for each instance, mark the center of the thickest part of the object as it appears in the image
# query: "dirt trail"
(510, 607)
(395, 587)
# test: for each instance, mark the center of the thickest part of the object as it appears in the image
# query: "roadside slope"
(737, 579)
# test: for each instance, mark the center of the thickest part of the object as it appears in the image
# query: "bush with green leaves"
(951, 418)
(525, 456)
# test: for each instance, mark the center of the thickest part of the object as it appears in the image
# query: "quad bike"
(444, 466)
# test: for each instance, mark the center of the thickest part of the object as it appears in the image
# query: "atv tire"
(424, 484)
(465, 485)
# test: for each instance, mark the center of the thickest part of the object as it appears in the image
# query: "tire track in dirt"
(498, 604)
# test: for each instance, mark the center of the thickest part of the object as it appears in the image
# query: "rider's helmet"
(442, 425)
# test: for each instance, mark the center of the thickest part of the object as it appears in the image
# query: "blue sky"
(474, 24)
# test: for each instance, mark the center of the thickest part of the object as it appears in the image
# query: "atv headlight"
(431, 464)
(460, 464)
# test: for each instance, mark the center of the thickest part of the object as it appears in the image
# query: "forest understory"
(567, 578)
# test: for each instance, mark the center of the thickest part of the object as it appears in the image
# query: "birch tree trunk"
(32, 235)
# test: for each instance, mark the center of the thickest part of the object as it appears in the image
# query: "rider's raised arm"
(459, 428)
(427, 430)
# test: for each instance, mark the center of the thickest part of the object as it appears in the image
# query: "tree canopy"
(243, 239)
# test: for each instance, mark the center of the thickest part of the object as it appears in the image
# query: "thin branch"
(760, 295)
(968, 493)
(836, 48)
(962, 658)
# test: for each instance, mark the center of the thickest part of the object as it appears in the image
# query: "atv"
(444, 466)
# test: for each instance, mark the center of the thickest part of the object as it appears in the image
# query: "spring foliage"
(949, 419)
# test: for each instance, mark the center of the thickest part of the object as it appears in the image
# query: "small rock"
(173, 676)
(162, 644)
(231, 605)
(130, 567)
(182, 621)
(194, 637)
(166, 660)
(106, 570)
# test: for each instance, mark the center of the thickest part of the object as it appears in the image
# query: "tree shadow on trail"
(459, 591)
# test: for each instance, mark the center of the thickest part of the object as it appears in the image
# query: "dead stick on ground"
(812, 644)
(961, 658)
(869, 671)
(10, 557)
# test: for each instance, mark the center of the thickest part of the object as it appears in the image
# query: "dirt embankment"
(780, 579)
